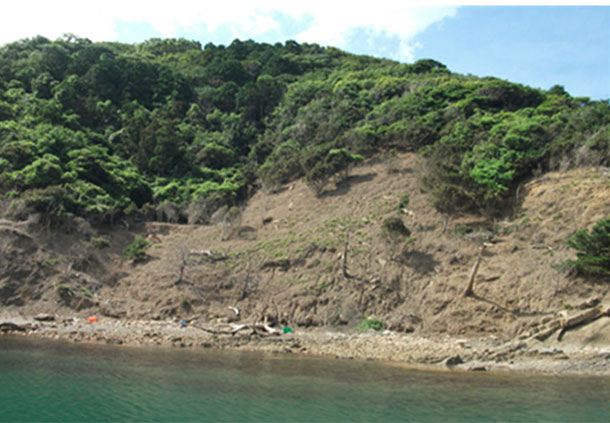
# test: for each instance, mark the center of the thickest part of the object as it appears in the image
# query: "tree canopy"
(110, 129)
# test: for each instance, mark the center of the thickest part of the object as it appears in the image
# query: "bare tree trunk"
(183, 263)
(345, 250)
(473, 273)
(445, 223)
(246, 283)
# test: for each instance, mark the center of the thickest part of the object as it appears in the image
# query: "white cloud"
(331, 21)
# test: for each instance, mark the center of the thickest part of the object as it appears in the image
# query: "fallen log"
(579, 319)
(269, 329)
(583, 318)
(548, 330)
(232, 329)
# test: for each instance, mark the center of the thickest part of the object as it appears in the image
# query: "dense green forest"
(172, 130)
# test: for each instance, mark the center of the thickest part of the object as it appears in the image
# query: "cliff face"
(303, 260)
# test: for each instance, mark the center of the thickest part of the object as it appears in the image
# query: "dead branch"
(548, 330)
(224, 329)
(232, 329)
(250, 283)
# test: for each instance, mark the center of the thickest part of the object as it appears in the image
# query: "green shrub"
(460, 230)
(337, 163)
(100, 242)
(394, 229)
(593, 249)
(86, 292)
(404, 202)
(371, 323)
(53, 202)
(136, 251)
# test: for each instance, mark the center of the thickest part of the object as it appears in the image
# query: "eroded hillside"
(284, 259)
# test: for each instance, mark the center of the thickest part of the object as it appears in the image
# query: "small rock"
(115, 314)
(44, 317)
(9, 326)
(453, 361)
(479, 369)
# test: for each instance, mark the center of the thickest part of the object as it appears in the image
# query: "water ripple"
(65, 382)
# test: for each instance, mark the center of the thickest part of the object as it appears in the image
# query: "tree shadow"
(343, 187)
(427, 228)
(420, 262)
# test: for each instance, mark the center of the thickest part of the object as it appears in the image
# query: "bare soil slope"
(322, 261)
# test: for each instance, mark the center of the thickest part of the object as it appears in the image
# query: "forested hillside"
(172, 130)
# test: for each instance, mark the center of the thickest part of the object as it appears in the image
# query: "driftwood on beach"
(579, 319)
(232, 329)
(565, 323)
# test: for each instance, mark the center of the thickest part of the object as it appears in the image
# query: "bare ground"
(284, 262)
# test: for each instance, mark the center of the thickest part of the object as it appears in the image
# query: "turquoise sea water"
(56, 381)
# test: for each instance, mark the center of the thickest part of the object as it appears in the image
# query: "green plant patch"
(100, 242)
(136, 250)
(393, 228)
(404, 202)
(592, 249)
(371, 323)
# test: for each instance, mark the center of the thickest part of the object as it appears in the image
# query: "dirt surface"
(284, 262)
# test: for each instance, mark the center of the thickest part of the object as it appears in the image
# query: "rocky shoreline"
(440, 352)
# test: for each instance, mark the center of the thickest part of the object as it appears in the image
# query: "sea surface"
(56, 381)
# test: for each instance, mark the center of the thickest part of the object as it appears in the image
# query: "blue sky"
(536, 46)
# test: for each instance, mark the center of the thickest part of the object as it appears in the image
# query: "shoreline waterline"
(407, 351)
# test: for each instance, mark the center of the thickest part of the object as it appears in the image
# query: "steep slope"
(283, 259)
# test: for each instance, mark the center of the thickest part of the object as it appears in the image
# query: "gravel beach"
(406, 350)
